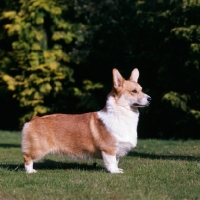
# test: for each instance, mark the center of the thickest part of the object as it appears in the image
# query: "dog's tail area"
(26, 149)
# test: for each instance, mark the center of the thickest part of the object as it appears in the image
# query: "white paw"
(122, 171)
(116, 171)
(31, 171)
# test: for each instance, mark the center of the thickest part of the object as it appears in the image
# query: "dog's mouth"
(139, 105)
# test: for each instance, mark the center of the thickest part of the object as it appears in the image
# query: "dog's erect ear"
(118, 80)
(134, 75)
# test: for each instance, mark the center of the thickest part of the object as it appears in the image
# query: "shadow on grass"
(164, 157)
(10, 145)
(53, 165)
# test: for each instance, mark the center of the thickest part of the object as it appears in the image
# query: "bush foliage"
(37, 68)
(57, 56)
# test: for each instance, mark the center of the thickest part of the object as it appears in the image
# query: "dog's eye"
(134, 91)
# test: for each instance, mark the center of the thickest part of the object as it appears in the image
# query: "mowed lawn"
(156, 169)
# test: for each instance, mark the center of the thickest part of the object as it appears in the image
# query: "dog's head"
(128, 93)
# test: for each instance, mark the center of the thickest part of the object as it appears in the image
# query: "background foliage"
(57, 56)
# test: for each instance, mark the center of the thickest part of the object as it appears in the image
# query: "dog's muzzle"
(149, 99)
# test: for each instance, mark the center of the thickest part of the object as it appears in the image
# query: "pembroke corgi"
(108, 134)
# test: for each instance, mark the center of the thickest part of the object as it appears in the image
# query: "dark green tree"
(161, 38)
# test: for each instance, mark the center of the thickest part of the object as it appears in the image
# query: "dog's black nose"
(149, 99)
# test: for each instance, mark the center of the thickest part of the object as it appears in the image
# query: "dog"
(108, 134)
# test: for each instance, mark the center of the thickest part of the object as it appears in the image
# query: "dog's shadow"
(163, 157)
(48, 164)
(51, 165)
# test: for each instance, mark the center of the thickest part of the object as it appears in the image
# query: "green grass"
(156, 169)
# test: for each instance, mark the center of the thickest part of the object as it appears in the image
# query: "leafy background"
(57, 56)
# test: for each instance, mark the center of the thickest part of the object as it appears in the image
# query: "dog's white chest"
(123, 126)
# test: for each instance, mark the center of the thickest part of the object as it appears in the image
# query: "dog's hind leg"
(29, 158)
(28, 164)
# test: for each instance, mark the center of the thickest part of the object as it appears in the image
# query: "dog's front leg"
(111, 163)
(117, 158)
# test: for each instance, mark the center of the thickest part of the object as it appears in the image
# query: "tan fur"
(75, 135)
